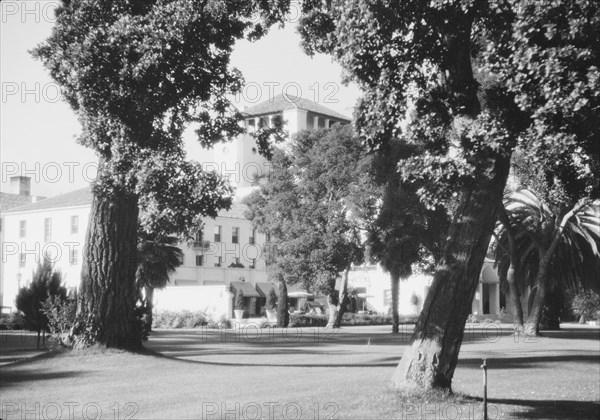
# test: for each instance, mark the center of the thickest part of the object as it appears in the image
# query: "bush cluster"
(13, 321)
(179, 319)
(349, 318)
(586, 304)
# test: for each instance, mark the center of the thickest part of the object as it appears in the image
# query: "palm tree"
(158, 257)
(557, 249)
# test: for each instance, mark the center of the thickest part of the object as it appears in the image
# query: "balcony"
(203, 245)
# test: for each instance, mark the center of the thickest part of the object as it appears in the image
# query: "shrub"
(239, 300)
(179, 319)
(61, 317)
(307, 320)
(236, 265)
(271, 304)
(586, 304)
(13, 321)
(30, 299)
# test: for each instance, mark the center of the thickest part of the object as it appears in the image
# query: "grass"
(215, 374)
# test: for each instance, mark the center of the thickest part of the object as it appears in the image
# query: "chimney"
(20, 185)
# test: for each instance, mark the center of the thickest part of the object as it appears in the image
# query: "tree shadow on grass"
(573, 333)
(527, 362)
(150, 352)
(11, 377)
(546, 409)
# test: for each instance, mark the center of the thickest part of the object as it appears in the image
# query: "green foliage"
(179, 319)
(403, 231)
(310, 207)
(533, 63)
(549, 59)
(12, 321)
(61, 316)
(157, 257)
(271, 303)
(586, 303)
(45, 283)
(137, 74)
(240, 302)
(236, 265)
(576, 260)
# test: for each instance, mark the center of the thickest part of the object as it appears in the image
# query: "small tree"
(271, 300)
(157, 257)
(30, 300)
(239, 300)
(586, 304)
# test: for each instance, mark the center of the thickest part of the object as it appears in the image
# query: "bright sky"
(38, 130)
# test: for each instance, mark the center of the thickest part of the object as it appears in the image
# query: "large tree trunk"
(332, 302)
(532, 327)
(431, 357)
(149, 306)
(343, 300)
(511, 275)
(515, 297)
(541, 279)
(283, 316)
(108, 292)
(552, 310)
(395, 279)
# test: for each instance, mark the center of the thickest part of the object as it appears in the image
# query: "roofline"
(304, 109)
(17, 211)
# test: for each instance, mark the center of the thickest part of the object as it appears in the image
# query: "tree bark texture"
(515, 296)
(511, 275)
(431, 357)
(149, 306)
(343, 300)
(108, 292)
(283, 316)
(541, 279)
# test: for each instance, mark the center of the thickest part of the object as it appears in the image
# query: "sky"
(38, 130)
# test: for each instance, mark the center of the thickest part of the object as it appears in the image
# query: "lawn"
(307, 374)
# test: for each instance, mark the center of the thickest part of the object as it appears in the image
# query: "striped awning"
(264, 288)
(247, 289)
(489, 275)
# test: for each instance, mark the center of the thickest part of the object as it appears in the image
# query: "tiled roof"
(79, 197)
(237, 211)
(83, 197)
(9, 201)
(282, 102)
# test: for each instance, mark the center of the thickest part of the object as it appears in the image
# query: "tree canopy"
(467, 82)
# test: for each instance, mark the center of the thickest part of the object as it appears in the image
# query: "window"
(253, 264)
(235, 235)
(73, 256)
(74, 224)
(252, 237)
(199, 260)
(182, 259)
(47, 229)
(198, 239)
(217, 233)
(268, 237)
(219, 262)
(22, 228)
(22, 260)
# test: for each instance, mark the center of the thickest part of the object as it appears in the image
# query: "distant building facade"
(226, 257)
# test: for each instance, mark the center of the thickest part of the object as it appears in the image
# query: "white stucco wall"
(213, 300)
(34, 246)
